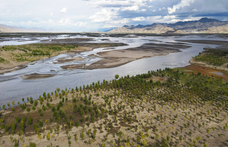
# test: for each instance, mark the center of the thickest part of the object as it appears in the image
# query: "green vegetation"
(159, 108)
(35, 51)
(2, 60)
(215, 57)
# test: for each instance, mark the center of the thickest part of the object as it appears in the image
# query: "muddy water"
(13, 87)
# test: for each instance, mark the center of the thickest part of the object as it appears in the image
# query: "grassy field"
(215, 57)
(36, 51)
(160, 108)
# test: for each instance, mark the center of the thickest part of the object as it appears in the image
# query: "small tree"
(76, 137)
(82, 135)
(30, 121)
(116, 76)
(32, 145)
(13, 127)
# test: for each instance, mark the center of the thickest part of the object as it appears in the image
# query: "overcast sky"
(89, 15)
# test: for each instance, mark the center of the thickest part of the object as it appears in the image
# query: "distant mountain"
(7, 28)
(106, 29)
(204, 25)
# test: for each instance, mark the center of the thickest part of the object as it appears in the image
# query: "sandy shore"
(64, 60)
(120, 57)
(5, 70)
(206, 41)
(36, 76)
(68, 40)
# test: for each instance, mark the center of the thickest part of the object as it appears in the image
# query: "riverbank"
(211, 62)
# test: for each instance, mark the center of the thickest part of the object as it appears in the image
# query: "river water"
(13, 87)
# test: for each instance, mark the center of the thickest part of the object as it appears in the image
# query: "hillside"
(204, 25)
(7, 28)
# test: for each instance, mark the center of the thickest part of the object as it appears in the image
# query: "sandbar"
(36, 76)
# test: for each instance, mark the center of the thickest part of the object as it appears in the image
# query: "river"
(13, 87)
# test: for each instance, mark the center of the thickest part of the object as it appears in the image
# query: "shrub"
(17, 119)
(32, 144)
(13, 127)
(24, 119)
(76, 123)
(31, 100)
(35, 103)
(23, 106)
(44, 108)
(74, 100)
(53, 108)
(28, 109)
(30, 121)
(41, 124)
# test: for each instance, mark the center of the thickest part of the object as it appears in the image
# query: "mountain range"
(204, 25)
(7, 28)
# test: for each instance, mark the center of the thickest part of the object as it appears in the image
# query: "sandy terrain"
(119, 57)
(64, 60)
(5, 70)
(206, 41)
(152, 121)
(68, 40)
(36, 76)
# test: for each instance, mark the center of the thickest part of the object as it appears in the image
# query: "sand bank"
(64, 60)
(36, 76)
(116, 58)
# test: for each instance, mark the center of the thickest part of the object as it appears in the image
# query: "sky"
(91, 15)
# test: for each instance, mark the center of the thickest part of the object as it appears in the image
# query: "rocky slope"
(204, 25)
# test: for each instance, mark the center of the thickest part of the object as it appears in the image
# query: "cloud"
(65, 21)
(110, 3)
(131, 8)
(99, 13)
(103, 16)
(182, 4)
(139, 19)
(63, 10)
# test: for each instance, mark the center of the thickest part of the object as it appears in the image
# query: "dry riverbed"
(116, 58)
